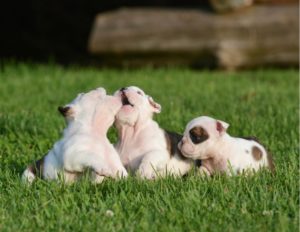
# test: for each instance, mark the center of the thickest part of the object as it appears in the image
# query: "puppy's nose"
(123, 89)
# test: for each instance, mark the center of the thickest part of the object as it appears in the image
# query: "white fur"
(28, 176)
(141, 142)
(221, 152)
(84, 143)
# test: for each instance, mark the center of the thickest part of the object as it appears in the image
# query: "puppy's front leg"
(153, 164)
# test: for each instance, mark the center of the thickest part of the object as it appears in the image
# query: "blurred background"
(225, 34)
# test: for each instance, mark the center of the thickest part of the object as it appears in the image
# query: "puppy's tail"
(28, 175)
(33, 171)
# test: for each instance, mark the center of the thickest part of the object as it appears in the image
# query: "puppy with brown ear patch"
(206, 139)
(84, 143)
(143, 146)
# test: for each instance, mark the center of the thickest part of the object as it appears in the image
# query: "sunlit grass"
(263, 103)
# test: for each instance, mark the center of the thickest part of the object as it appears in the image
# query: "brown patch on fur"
(198, 135)
(37, 168)
(65, 111)
(172, 140)
(269, 155)
(31, 169)
(256, 153)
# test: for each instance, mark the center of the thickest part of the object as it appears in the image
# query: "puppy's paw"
(146, 173)
(202, 171)
(96, 179)
(122, 173)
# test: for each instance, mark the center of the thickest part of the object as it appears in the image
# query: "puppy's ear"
(221, 126)
(155, 106)
(64, 110)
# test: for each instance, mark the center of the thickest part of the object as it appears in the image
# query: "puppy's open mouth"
(125, 100)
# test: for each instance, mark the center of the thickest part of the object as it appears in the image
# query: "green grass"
(263, 103)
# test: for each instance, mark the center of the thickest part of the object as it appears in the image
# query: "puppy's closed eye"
(140, 93)
(198, 135)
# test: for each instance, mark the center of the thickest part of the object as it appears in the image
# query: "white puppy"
(206, 139)
(142, 145)
(84, 143)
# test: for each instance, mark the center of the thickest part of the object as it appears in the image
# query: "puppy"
(143, 146)
(84, 143)
(206, 139)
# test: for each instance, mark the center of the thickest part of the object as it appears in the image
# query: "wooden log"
(277, 1)
(256, 36)
(222, 6)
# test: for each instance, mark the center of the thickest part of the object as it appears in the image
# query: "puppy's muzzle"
(124, 99)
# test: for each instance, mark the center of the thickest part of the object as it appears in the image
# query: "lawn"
(263, 103)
